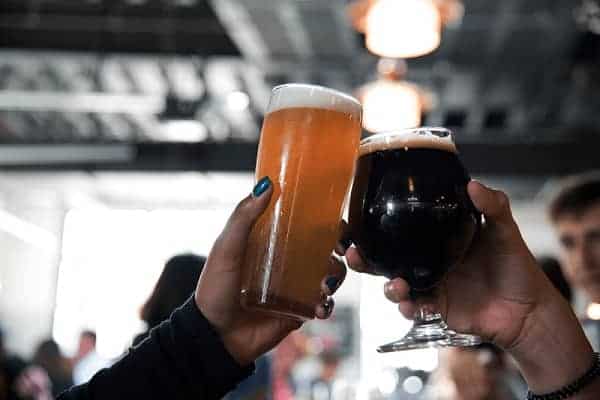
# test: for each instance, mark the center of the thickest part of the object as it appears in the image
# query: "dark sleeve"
(182, 358)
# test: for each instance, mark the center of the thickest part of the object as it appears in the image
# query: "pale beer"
(308, 148)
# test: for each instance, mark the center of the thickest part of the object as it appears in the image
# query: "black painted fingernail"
(346, 242)
(332, 283)
(327, 306)
(263, 184)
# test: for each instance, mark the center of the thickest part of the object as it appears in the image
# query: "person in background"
(49, 357)
(11, 367)
(87, 361)
(322, 386)
(575, 214)
(258, 385)
(174, 286)
(286, 356)
(34, 384)
(470, 374)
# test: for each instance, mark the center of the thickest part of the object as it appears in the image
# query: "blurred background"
(129, 129)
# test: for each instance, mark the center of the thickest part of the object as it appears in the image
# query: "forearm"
(553, 351)
(182, 358)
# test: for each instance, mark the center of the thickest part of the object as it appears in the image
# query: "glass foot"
(430, 331)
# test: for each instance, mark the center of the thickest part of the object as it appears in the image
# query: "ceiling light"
(237, 101)
(184, 130)
(403, 28)
(593, 311)
(391, 103)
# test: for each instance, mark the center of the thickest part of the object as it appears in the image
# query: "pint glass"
(308, 148)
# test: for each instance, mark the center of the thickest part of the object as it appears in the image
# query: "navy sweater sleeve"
(182, 358)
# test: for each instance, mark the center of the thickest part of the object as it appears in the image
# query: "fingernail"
(332, 283)
(346, 243)
(387, 287)
(263, 184)
(327, 306)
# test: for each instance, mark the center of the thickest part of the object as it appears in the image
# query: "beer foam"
(417, 138)
(294, 95)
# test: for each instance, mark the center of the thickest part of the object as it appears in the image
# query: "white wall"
(28, 267)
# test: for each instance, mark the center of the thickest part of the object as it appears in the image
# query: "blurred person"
(87, 361)
(286, 357)
(49, 358)
(575, 214)
(34, 384)
(174, 286)
(322, 386)
(11, 367)
(258, 385)
(209, 344)
(86, 344)
(470, 374)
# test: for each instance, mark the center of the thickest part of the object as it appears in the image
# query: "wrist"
(581, 388)
(552, 350)
(236, 348)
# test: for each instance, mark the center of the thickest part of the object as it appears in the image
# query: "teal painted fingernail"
(263, 184)
(332, 283)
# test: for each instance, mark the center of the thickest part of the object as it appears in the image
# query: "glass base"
(430, 331)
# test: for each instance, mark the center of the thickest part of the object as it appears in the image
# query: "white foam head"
(416, 138)
(293, 95)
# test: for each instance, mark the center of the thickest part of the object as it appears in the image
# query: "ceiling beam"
(480, 159)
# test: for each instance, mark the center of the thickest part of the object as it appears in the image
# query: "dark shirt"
(60, 382)
(10, 369)
(182, 358)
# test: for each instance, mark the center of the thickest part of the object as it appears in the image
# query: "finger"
(325, 309)
(345, 240)
(356, 262)
(407, 309)
(230, 246)
(335, 276)
(494, 204)
(397, 290)
(221, 277)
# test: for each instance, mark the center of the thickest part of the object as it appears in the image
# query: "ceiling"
(118, 71)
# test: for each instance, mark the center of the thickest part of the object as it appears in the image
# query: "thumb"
(230, 246)
(494, 204)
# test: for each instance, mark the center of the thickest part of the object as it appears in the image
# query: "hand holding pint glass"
(411, 217)
(308, 148)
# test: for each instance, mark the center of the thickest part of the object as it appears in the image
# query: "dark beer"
(410, 213)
